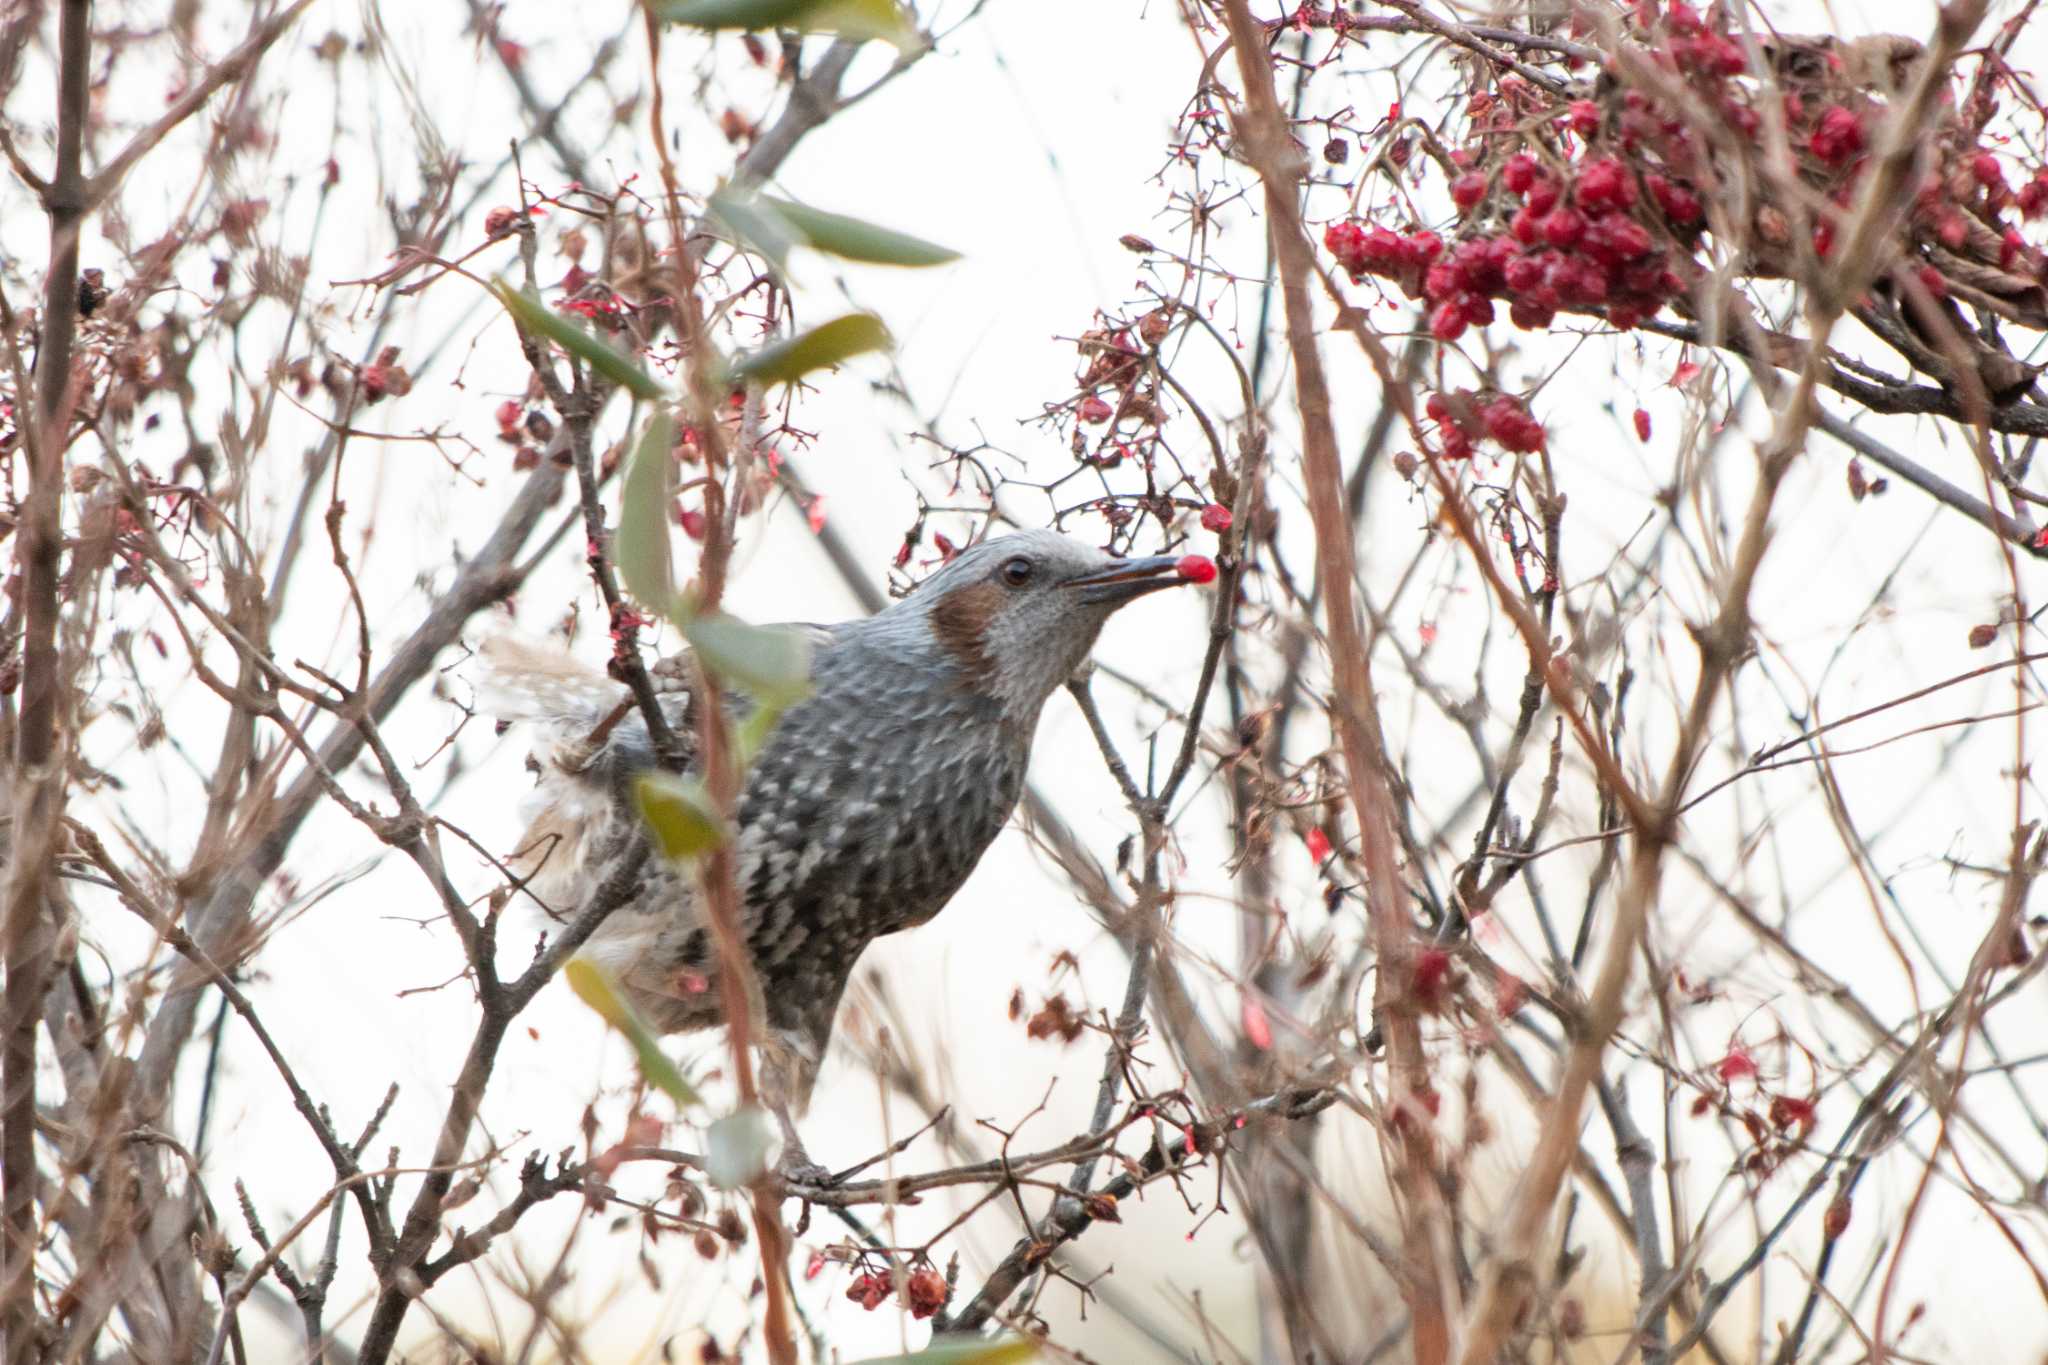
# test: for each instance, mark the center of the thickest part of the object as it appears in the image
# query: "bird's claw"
(794, 1167)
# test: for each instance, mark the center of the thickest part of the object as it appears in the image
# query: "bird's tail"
(523, 679)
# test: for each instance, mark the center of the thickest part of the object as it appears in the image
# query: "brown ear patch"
(961, 620)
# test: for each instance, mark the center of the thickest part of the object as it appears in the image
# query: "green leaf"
(642, 548)
(964, 1353)
(757, 224)
(824, 345)
(855, 239)
(884, 19)
(752, 734)
(680, 812)
(772, 663)
(597, 990)
(736, 1149)
(537, 318)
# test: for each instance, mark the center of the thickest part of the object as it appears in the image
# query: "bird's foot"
(795, 1168)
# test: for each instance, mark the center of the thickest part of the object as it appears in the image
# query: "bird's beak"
(1127, 579)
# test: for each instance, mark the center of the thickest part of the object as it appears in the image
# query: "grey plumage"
(868, 806)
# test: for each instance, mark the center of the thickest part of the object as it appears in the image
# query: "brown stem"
(1264, 138)
(39, 757)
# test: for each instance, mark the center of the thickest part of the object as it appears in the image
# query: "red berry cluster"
(1595, 205)
(1572, 242)
(1466, 418)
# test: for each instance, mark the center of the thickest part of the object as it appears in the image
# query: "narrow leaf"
(964, 1353)
(642, 549)
(757, 224)
(597, 990)
(752, 735)
(681, 814)
(824, 345)
(884, 19)
(856, 239)
(772, 663)
(736, 1149)
(537, 318)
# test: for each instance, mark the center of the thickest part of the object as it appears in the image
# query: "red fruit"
(1953, 231)
(2033, 196)
(1823, 239)
(1382, 248)
(1468, 189)
(1578, 280)
(1502, 415)
(1520, 173)
(1737, 1064)
(1543, 195)
(1524, 272)
(2009, 248)
(1196, 569)
(1530, 315)
(1447, 323)
(1432, 967)
(1094, 411)
(1718, 55)
(1441, 281)
(1985, 169)
(1563, 228)
(1527, 226)
(1457, 445)
(1437, 407)
(1642, 425)
(692, 522)
(1683, 19)
(926, 1290)
(1839, 136)
(1583, 118)
(1624, 317)
(1346, 242)
(1675, 201)
(508, 416)
(1932, 281)
(1216, 517)
(1604, 184)
(1478, 309)
(1615, 239)
(1420, 248)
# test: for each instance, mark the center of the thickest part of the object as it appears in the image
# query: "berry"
(1468, 189)
(1614, 239)
(1520, 173)
(1530, 315)
(1953, 231)
(1420, 248)
(1447, 323)
(1524, 272)
(1933, 282)
(1197, 568)
(1563, 228)
(1604, 184)
(1543, 195)
(1437, 407)
(1838, 137)
(1985, 170)
(1094, 411)
(1527, 226)
(1583, 118)
(1675, 201)
(1642, 425)
(1216, 517)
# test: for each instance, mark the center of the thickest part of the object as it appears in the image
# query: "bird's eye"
(1017, 572)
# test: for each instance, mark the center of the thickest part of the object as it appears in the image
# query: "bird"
(865, 809)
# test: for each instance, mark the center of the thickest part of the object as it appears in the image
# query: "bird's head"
(1018, 614)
